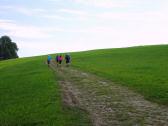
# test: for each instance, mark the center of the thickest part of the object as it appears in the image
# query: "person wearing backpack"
(67, 59)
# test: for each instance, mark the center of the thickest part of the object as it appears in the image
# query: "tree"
(8, 49)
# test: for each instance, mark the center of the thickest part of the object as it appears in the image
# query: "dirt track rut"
(109, 104)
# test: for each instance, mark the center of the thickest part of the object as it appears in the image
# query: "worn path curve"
(109, 104)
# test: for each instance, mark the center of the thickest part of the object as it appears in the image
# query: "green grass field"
(31, 96)
(143, 69)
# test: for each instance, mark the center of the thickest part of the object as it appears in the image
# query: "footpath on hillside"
(107, 103)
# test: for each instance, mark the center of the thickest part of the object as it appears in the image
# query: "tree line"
(8, 49)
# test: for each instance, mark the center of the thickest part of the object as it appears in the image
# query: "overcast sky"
(50, 26)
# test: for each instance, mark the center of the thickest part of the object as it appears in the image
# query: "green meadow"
(143, 69)
(30, 96)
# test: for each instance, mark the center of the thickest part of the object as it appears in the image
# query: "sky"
(52, 26)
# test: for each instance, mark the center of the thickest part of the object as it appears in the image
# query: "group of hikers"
(59, 59)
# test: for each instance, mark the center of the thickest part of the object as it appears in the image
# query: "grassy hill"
(143, 69)
(30, 95)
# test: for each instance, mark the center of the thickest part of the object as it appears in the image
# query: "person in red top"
(60, 58)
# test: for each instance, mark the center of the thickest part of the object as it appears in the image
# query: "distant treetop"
(8, 49)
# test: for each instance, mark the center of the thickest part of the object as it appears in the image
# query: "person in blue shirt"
(57, 59)
(49, 60)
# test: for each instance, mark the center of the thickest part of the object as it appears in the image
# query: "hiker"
(68, 59)
(60, 58)
(57, 59)
(48, 60)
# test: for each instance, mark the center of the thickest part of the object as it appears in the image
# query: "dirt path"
(108, 104)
